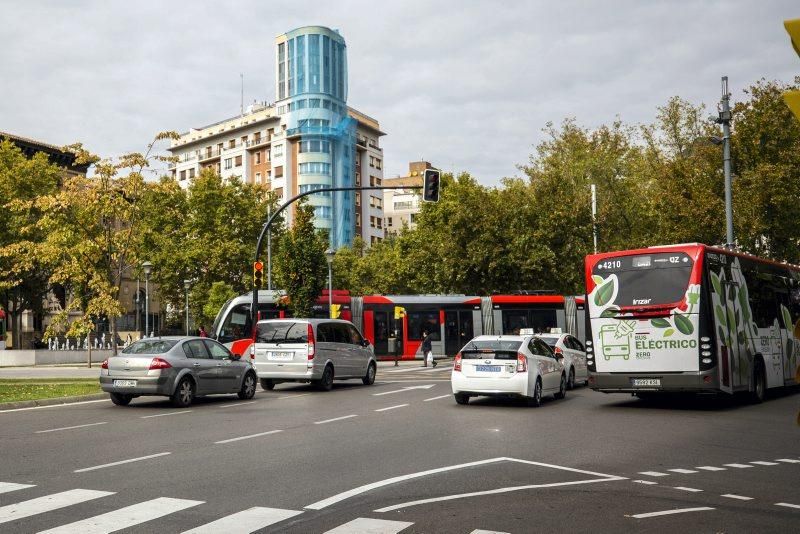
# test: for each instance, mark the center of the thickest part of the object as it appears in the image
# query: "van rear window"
(282, 332)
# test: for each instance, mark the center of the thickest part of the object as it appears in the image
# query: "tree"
(301, 268)
(218, 295)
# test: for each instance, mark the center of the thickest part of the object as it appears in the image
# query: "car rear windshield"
(150, 346)
(282, 332)
(549, 340)
(497, 349)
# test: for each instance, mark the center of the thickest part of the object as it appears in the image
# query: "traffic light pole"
(268, 225)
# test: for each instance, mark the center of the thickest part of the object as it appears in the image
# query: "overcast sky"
(467, 85)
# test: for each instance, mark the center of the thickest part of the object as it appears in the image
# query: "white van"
(311, 350)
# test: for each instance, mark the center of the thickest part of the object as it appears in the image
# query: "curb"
(51, 402)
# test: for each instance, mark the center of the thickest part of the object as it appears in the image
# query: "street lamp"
(329, 254)
(724, 119)
(147, 267)
(187, 284)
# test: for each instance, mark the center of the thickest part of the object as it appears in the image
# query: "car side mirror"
(365, 343)
(236, 357)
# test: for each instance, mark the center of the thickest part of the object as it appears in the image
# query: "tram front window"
(236, 325)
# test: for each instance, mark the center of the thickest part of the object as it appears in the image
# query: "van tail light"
(457, 363)
(159, 363)
(522, 363)
(310, 342)
(104, 365)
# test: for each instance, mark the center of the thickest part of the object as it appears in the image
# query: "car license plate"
(646, 381)
(281, 356)
(124, 383)
(488, 368)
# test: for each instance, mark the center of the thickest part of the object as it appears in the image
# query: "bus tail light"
(311, 342)
(522, 363)
(159, 363)
(457, 363)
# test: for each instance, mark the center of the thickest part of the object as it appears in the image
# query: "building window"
(377, 163)
(372, 161)
(413, 218)
(358, 178)
(313, 102)
(277, 151)
(402, 206)
(314, 187)
(219, 148)
(358, 219)
(191, 173)
(315, 145)
(315, 167)
(372, 221)
(379, 222)
(358, 198)
(244, 139)
(322, 212)
(238, 161)
(232, 143)
(228, 163)
(219, 168)
(258, 157)
(256, 138)
(389, 221)
(279, 171)
(279, 192)
(258, 177)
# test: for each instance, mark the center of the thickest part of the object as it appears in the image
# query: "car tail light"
(159, 363)
(310, 342)
(522, 363)
(104, 365)
(558, 350)
(252, 351)
(457, 363)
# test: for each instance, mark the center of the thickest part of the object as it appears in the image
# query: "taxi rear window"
(498, 349)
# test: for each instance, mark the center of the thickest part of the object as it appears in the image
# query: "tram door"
(381, 330)
(457, 330)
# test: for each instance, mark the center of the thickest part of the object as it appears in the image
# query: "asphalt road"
(402, 456)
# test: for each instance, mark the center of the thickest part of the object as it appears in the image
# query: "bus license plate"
(488, 368)
(125, 383)
(646, 382)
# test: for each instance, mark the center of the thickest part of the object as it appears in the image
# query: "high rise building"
(306, 140)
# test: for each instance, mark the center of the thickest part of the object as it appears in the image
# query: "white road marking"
(391, 408)
(408, 388)
(364, 525)
(293, 396)
(653, 474)
(760, 462)
(738, 466)
(682, 471)
(319, 505)
(437, 398)
(437, 369)
(245, 521)
(5, 487)
(788, 460)
(112, 464)
(710, 468)
(68, 427)
(53, 406)
(48, 503)
(738, 497)
(407, 370)
(335, 419)
(787, 505)
(693, 490)
(648, 482)
(492, 492)
(125, 517)
(236, 404)
(165, 414)
(487, 532)
(670, 512)
(247, 437)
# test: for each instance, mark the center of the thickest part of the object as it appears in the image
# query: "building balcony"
(207, 155)
(255, 143)
(312, 130)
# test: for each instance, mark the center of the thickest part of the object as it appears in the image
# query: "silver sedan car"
(181, 368)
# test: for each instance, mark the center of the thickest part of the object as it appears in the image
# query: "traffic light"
(792, 98)
(258, 274)
(430, 186)
(336, 311)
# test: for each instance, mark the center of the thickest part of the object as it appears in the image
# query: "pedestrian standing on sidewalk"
(427, 349)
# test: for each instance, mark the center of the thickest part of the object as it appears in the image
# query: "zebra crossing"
(147, 513)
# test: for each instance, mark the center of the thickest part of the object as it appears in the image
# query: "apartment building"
(308, 139)
(401, 205)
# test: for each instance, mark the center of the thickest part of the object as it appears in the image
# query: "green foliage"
(218, 295)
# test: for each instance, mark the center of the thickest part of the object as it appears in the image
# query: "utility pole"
(725, 120)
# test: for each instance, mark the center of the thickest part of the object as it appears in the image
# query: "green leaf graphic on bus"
(610, 313)
(683, 324)
(598, 279)
(604, 293)
(660, 323)
(720, 313)
(715, 283)
(668, 332)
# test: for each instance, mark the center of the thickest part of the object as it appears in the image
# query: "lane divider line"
(392, 408)
(335, 419)
(788, 460)
(710, 468)
(236, 404)
(112, 464)
(761, 462)
(692, 490)
(653, 474)
(737, 497)
(683, 471)
(165, 414)
(787, 505)
(647, 482)
(53, 406)
(670, 512)
(69, 427)
(293, 396)
(446, 396)
(738, 466)
(240, 438)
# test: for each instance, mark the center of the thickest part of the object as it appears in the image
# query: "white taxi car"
(574, 356)
(518, 366)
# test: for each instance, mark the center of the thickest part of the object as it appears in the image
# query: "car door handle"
(219, 365)
(197, 364)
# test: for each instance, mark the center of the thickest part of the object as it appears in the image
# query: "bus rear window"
(647, 279)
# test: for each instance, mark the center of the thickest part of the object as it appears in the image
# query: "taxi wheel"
(562, 389)
(461, 398)
(121, 399)
(184, 393)
(536, 400)
(571, 381)
(248, 387)
(267, 384)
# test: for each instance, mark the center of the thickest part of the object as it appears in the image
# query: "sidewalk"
(57, 371)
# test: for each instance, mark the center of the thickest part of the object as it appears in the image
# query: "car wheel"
(267, 384)
(120, 399)
(536, 400)
(369, 378)
(461, 398)
(184, 393)
(326, 382)
(248, 387)
(571, 381)
(562, 388)
(759, 383)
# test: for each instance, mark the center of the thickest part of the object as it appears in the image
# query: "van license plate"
(646, 381)
(281, 356)
(488, 368)
(125, 383)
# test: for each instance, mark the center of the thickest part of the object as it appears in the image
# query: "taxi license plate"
(646, 381)
(488, 368)
(281, 356)
(124, 383)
